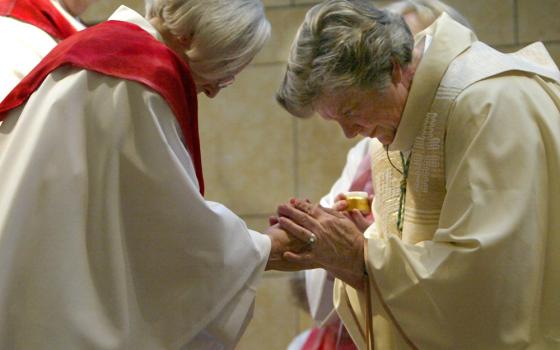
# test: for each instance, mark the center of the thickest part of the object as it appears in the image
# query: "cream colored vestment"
(477, 265)
(105, 240)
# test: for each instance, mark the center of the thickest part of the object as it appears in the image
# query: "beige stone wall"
(256, 156)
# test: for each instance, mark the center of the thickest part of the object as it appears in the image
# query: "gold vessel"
(357, 200)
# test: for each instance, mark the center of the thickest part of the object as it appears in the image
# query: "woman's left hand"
(362, 220)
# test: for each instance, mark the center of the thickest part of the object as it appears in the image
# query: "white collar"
(124, 14)
(427, 42)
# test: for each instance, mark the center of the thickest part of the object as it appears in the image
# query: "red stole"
(40, 13)
(126, 51)
(330, 337)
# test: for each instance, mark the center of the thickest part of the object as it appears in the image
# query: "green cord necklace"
(402, 199)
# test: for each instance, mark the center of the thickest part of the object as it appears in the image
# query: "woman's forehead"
(342, 97)
(336, 102)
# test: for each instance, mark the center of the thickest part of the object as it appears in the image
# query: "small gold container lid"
(357, 200)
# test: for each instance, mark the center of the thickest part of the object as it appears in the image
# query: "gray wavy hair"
(427, 10)
(226, 34)
(343, 44)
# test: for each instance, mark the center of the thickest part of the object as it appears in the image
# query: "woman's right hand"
(337, 245)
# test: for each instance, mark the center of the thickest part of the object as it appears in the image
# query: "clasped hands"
(306, 235)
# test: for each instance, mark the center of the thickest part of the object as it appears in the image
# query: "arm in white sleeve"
(227, 328)
(239, 246)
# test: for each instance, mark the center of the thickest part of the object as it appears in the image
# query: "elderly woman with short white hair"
(107, 240)
(216, 44)
(460, 255)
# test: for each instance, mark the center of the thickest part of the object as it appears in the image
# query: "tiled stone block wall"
(102, 9)
(256, 156)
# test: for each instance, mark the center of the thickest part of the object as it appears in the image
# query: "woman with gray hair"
(357, 176)
(107, 240)
(459, 243)
(316, 65)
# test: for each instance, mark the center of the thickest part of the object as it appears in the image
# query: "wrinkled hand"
(361, 220)
(339, 247)
(273, 219)
(281, 243)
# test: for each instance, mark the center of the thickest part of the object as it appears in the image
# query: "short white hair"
(427, 11)
(226, 34)
(343, 44)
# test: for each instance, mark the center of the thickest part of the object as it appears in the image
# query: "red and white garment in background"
(30, 29)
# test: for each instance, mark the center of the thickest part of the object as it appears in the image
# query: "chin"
(385, 139)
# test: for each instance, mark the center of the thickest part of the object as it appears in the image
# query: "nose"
(226, 82)
(211, 91)
(350, 131)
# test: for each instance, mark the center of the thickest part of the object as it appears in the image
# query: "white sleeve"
(319, 288)
(227, 326)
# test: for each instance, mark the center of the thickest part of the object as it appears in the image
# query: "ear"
(396, 72)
